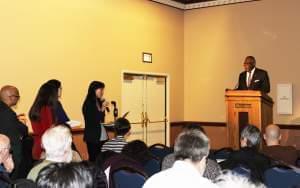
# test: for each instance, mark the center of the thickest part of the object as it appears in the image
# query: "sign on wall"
(285, 99)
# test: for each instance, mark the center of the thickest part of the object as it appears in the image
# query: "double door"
(145, 98)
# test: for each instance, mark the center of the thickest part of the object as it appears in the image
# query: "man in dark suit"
(253, 78)
(10, 125)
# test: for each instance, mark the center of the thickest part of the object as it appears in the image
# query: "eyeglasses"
(16, 96)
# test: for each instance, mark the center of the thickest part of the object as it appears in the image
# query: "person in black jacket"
(10, 126)
(253, 78)
(248, 156)
(93, 110)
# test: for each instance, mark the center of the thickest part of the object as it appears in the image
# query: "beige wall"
(77, 41)
(216, 41)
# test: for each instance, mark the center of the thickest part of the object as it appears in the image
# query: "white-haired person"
(230, 180)
(6, 161)
(56, 142)
(191, 150)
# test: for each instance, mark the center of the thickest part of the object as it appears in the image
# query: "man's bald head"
(9, 95)
(272, 134)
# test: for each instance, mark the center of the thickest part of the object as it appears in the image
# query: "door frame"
(167, 96)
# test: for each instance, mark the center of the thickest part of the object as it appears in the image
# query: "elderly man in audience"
(191, 150)
(285, 154)
(57, 143)
(212, 170)
(7, 164)
(248, 156)
(14, 129)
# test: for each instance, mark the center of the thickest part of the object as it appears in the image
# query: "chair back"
(278, 177)
(125, 178)
(152, 166)
(160, 151)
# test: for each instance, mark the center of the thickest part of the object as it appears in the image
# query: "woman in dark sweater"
(93, 110)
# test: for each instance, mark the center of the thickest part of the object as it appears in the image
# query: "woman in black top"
(93, 110)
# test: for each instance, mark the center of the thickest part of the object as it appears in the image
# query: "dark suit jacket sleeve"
(240, 87)
(266, 83)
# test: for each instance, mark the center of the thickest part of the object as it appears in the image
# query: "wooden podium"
(246, 107)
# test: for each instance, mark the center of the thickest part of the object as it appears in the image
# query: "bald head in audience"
(272, 135)
(9, 95)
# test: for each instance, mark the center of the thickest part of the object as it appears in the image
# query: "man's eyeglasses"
(16, 96)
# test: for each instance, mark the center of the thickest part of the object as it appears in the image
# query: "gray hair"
(57, 143)
(229, 180)
(252, 134)
(191, 144)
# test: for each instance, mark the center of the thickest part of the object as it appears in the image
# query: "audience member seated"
(122, 130)
(138, 151)
(6, 162)
(15, 130)
(57, 144)
(191, 150)
(286, 154)
(70, 175)
(248, 156)
(42, 115)
(230, 180)
(212, 170)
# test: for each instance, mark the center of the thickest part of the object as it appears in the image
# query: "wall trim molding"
(200, 5)
(223, 124)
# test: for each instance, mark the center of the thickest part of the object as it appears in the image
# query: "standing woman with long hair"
(93, 110)
(42, 115)
(60, 113)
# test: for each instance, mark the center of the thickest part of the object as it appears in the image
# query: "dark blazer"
(14, 130)
(92, 118)
(260, 81)
(251, 159)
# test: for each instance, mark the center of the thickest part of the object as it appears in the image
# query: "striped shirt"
(115, 144)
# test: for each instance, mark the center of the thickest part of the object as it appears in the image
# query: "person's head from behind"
(9, 95)
(57, 86)
(230, 180)
(194, 126)
(47, 96)
(122, 127)
(95, 91)
(138, 151)
(250, 137)
(272, 135)
(57, 143)
(249, 63)
(192, 146)
(65, 175)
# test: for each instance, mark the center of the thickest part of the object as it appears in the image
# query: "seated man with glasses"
(11, 127)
